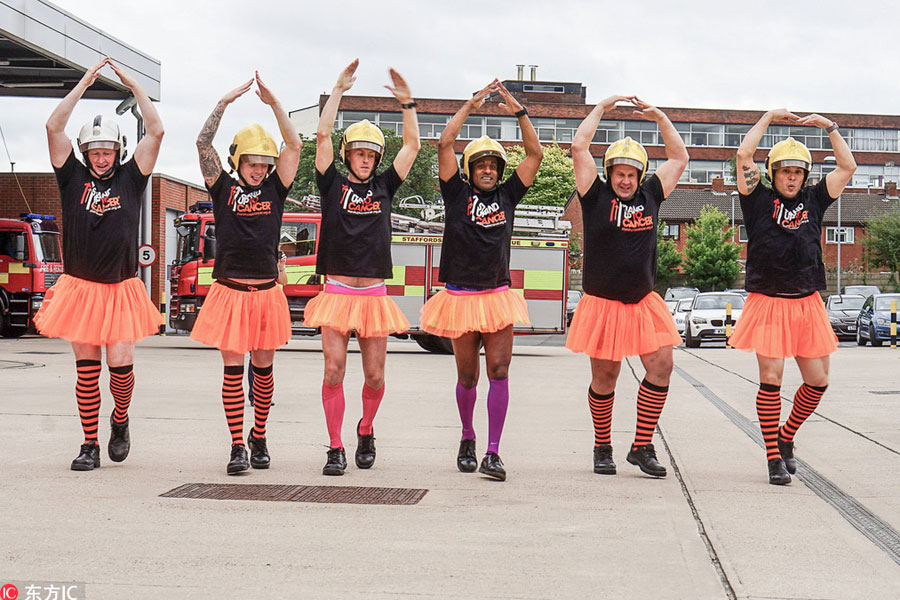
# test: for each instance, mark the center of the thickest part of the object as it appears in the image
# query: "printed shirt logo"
(353, 203)
(248, 204)
(789, 219)
(485, 215)
(97, 202)
(629, 218)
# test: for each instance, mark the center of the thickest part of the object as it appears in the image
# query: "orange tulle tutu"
(239, 321)
(369, 316)
(784, 327)
(100, 314)
(451, 315)
(611, 330)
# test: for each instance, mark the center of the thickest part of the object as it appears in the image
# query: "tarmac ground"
(712, 529)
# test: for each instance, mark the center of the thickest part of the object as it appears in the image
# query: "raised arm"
(447, 166)
(60, 145)
(403, 162)
(585, 167)
(287, 161)
(324, 147)
(210, 165)
(529, 166)
(147, 150)
(677, 157)
(838, 179)
(747, 171)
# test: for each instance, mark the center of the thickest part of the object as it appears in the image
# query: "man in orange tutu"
(477, 305)
(784, 315)
(620, 315)
(355, 256)
(245, 310)
(100, 301)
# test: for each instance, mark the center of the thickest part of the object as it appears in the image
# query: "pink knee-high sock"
(371, 400)
(333, 403)
(497, 401)
(465, 402)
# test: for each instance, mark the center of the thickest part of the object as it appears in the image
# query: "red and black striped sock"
(651, 399)
(121, 385)
(601, 406)
(87, 394)
(233, 399)
(806, 400)
(263, 389)
(768, 409)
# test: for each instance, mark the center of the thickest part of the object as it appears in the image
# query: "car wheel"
(859, 338)
(689, 340)
(873, 336)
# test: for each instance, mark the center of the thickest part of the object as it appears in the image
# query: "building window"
(670, 231)
(742, 234)
(537, 87)
(845, 234)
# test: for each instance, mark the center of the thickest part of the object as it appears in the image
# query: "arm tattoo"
(210, 165)
(751, 178)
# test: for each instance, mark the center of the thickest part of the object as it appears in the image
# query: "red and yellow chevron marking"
(407, 281)
(534, 284)
(8, 268)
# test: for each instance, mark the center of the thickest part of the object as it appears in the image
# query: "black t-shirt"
(620, 240)
(479, 225)
(101, 220)
(784, 251)
(248, 227)
(356, 224)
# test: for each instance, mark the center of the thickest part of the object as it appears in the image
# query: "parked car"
(674, 294)
(706, 321)
(740, 291)
(873, 324)
(682, 309)
(842, 312)
(572, 298)
(863, 290)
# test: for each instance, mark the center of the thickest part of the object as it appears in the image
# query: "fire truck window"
(50, 247)
(9, 240)
(298, 239)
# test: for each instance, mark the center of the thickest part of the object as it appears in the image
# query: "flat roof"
(44, 51)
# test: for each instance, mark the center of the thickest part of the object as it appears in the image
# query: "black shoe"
(645, 458)
(238, 460)
(89, 459)
(119, 440)
(786, 449)
(492, 466)
(365, 449)
(337, 462)
(259, 452)
(778, 474)
(466, 460)
(603, 462)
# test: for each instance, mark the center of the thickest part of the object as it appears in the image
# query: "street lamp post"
(831, 160)
(733, 196)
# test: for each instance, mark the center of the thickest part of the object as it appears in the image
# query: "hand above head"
(509, 104)
(264, 93)
(400, 89)
(646, 111)
(479, 97)
(815, 120)
(123, 75)
(237, 92)
(91, 75)
(611, 102)
(783, 114)
(347, 78)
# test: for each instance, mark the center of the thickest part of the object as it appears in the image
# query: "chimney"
(520, 69)
(533, 72)
(718, 185)
(890, 189)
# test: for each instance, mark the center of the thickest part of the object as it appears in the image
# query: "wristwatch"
(831, 127)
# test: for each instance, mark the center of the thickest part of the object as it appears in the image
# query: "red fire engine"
(30, 262)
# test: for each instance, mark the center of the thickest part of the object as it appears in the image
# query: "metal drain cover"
(298, 493)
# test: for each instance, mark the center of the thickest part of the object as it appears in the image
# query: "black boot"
(786, 449)
(465, 460)
(336, 463)
(778, 474)
(492, 466)
(119, 440)
(365, 449)
(89, 459)
(603, 461)
(645, 458)
(238, 460)
(259, 452)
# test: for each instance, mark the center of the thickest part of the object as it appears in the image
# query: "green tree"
(883, 243)
(668, 259)
(710, 256)
(555, 180)
(575, 252)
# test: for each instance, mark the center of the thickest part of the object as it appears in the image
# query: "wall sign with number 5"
(146, 255)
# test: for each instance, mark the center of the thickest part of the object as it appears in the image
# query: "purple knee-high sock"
(497, 401)
(465, 402)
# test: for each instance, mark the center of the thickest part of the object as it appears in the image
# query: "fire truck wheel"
(433, 343)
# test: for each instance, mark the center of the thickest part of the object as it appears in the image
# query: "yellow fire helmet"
(483, 146)
(362, 135)
(254, 142)
(788, 153)
(626, 152)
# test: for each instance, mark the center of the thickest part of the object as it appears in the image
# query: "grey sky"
(819, 56)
